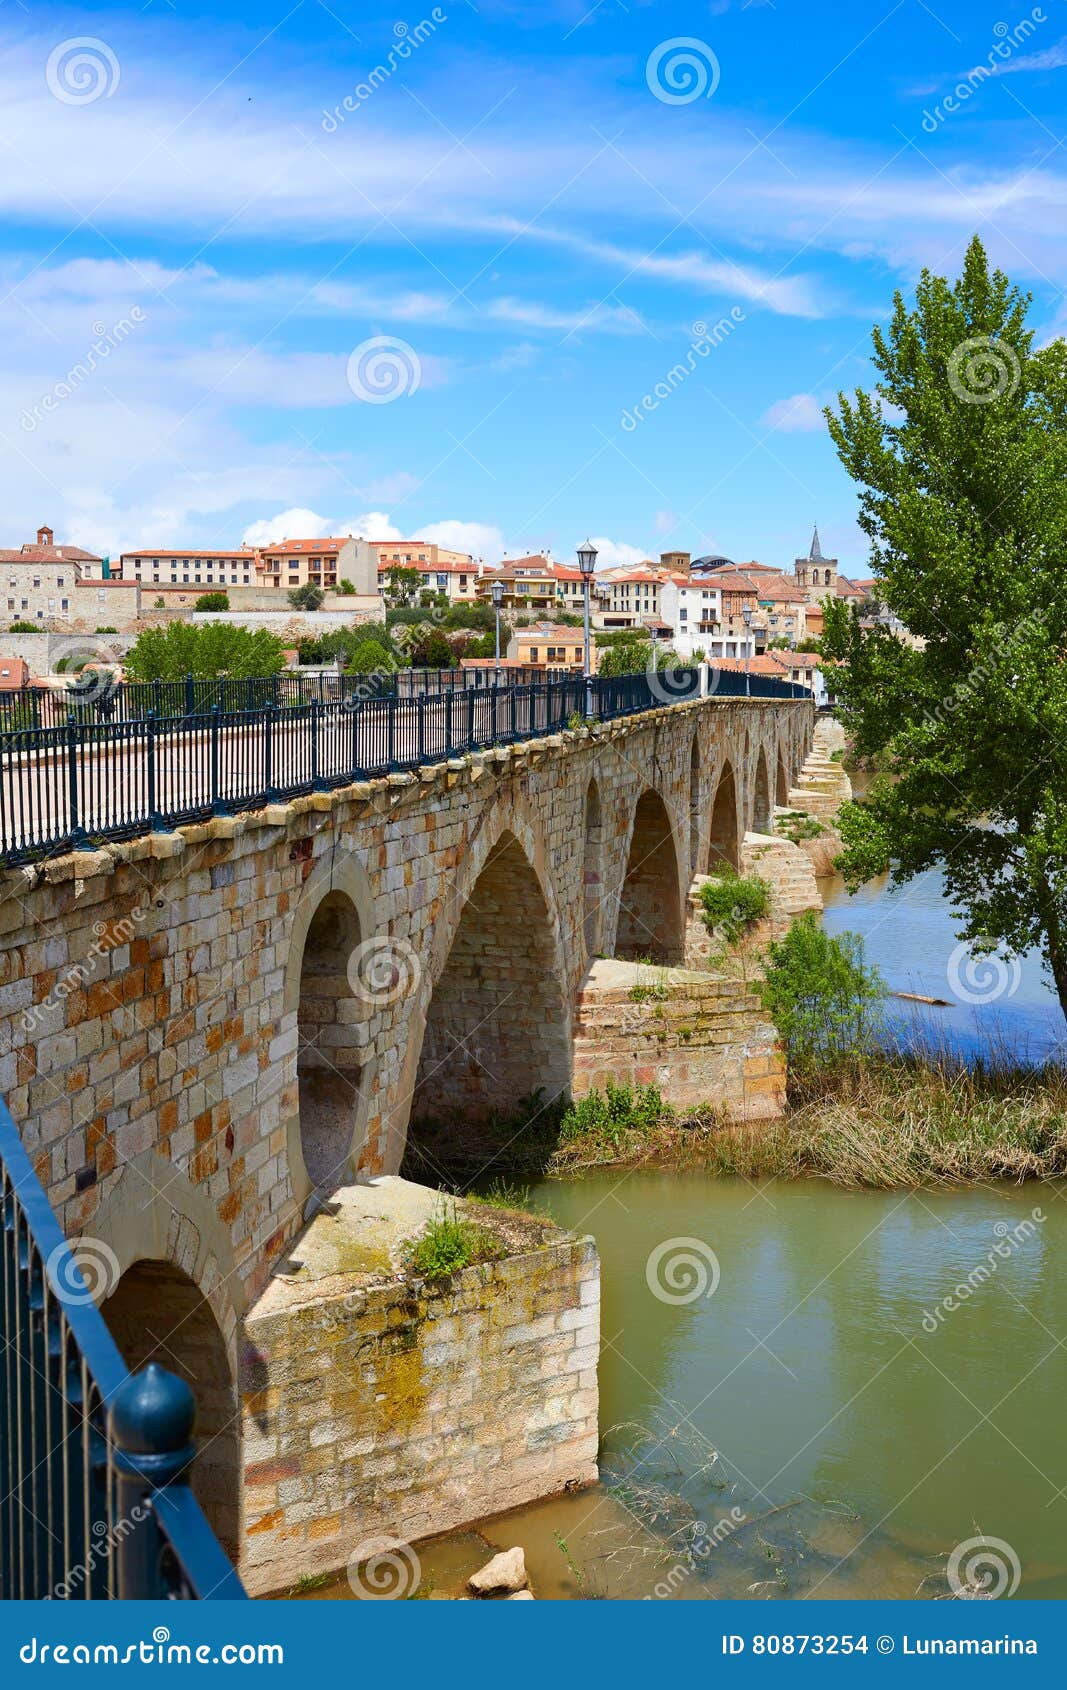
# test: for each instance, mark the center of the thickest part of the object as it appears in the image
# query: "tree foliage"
(961, 459)
(824, 999)
(307, 597)
(203, 649)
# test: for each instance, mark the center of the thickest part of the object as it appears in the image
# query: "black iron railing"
(94, 1460)
(66, 787)
(95, 699)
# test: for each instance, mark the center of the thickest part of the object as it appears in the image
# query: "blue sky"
(228, 202)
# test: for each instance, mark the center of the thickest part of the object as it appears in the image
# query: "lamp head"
(587, 560)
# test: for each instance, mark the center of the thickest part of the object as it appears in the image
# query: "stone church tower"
(816, 575)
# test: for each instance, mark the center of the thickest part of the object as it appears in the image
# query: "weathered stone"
(505, 1572)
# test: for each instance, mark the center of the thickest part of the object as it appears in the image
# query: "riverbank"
(882, 1121)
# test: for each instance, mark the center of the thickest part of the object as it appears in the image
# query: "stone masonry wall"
(400, 1411)
(150, 991)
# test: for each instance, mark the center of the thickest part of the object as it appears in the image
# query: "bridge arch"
(761, 795)
(781, 785)
(725, 822)
(695, 814)
(332, 936)
(157, 1313)
(593, 871)
(650, 920)
(495, 1027)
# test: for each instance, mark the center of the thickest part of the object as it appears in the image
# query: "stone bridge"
(200, 1031)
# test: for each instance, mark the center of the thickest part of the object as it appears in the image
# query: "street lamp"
(586, 566)
(747, 614)
(497, 590)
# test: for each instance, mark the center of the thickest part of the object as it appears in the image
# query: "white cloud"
(294, 524)
(479, 538)
(373, 525)
(616, 554)
(800, 414)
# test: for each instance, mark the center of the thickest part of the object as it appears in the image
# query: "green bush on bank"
(824, 999)
(448, 1244)
(731, 903)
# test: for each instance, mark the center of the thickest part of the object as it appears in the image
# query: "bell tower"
(816, 575)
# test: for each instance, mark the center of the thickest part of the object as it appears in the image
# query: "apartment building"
(550, 647)
(39, 578)
(187, 568)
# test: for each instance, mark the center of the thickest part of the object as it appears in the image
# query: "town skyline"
(220, 246)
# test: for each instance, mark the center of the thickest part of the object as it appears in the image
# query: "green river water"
(813, 1421)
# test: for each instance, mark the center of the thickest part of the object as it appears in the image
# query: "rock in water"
(520, 1596)
(506, 1571)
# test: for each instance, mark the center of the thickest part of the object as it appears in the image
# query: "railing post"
(218, 808)
(78, 835)
(190, 701)
(155, 822)
(269, 790)
(391, 743)
(421, 740)
(152, 1419)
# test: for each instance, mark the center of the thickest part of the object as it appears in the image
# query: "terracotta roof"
(549, 631)
(185, 551)
(48, 554)
(324, 545)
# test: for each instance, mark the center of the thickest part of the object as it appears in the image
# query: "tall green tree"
(960, 454)
(203, 649)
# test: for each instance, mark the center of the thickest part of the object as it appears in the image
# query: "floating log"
(920, 997)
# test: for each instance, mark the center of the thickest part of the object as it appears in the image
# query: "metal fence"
(67, 787)
(96, 700)
(95, 1460)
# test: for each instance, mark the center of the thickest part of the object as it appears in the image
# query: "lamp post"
(497, 590)
(586, 565)
(747, 614)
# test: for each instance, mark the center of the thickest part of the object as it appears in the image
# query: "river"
(993, 1005)
(843, 1388)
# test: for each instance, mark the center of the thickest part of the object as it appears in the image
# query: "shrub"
(608, 1116)
(213, 601)
(370, 658)
(106, 630)
(448, 1244)
(307, 597)
(345, 588)
(203, 649)
(800, 825)
(732, 902)
(24, 628)
(821, 994)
